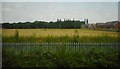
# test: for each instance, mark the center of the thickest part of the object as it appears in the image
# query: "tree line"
(66, 24)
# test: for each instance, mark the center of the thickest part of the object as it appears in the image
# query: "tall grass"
(51, 38)
(92, 57)
(16, 36)
(60, 56)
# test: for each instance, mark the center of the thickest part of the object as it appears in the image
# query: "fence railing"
(53, 47)
(61, 44)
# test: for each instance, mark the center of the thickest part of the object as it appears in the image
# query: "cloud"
(31, 11)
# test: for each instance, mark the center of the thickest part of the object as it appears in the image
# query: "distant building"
(90, 26)
(100, 25)
(117, 25)
(109, 25)
(86, 21)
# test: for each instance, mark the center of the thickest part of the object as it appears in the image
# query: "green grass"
(61, 56)
(105, 38)
(57, 32)
(66, 38)
(39, 56)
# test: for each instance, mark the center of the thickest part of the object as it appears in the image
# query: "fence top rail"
(60, 43)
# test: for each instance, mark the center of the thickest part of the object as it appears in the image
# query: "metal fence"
(61, 44)
(53, 47)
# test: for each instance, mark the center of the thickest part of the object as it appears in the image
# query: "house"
(117, 25)
(110, 25)
(100, 25)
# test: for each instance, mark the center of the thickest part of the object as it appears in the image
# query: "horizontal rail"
(61, 44)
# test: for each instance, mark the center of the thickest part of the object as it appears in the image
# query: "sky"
(50, 11)
(60, 0)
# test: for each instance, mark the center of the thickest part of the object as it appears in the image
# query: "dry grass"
(57, 32)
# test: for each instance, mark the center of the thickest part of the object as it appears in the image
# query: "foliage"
(92, 57)
(17, 36)
(41, 24)
(60, 56)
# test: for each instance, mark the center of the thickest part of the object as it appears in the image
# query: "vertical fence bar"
(52, 47)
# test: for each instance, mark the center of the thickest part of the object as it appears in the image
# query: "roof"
(100, 23)
(111, 23)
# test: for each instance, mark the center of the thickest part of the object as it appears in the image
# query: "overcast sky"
(60, 0)
(50, 11)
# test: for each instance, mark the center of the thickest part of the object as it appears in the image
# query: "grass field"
(57, 32)
(60, 56)
(39, 56)
(58, 35)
